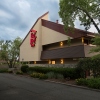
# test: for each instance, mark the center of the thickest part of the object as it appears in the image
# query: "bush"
(35, 75)
(59, 76)
(66, 72)
(82, 81)
(39, 75)
(10, 71)
(24, 68)
(29, 72)
(92, 83)
(3, 70)
(52, 75)
(43, 76)
(19, 72)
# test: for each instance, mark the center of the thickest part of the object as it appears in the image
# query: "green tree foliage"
(9, 51)
(87, 64)
(82, 66)
(96, 41)
(87, 11)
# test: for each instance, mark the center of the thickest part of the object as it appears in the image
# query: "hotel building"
(47, 43)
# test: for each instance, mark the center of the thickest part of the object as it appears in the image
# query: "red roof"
(60, 28)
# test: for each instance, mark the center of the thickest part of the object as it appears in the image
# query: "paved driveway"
(14, 87)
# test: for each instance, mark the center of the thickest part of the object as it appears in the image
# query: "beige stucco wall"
(46, 17)
(87, 49)
(28, 53)
(75, 42)
(51, 36)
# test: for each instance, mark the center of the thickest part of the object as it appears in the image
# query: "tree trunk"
(93, 22)
(8, 63)
(96, 26)
(13, 64)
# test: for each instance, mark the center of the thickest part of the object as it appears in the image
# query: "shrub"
(92, 83)
(39, 75)
(43, 76)
(24, 68)
(51, 75)
(10, 71)
(66, 72)
(19, 72)
(29, 72)
(59, 76)
(81, 81)
(3, 70)
(39, 69)
(35, 75)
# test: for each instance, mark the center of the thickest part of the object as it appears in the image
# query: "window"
(61, 44)
(62, 61)
(82, 39)
(34, 62)
(53, 62)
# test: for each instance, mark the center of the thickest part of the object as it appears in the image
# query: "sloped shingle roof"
(60, 28)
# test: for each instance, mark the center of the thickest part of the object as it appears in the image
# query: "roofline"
(34, 25)
(61, 30)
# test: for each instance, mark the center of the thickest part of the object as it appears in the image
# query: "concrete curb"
(77, 86)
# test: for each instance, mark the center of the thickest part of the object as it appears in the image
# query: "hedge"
(3, 70)
(92, 83)
(66, 72)
(24, 68)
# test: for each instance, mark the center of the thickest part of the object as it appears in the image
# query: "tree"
(9, 51)
(88, 64)
(87, 11)
(96, 41)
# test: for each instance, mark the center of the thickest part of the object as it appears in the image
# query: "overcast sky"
(18, 16)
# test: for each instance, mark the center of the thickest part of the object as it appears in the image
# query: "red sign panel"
(33, 38)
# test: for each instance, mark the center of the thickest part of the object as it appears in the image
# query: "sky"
(18, 16)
